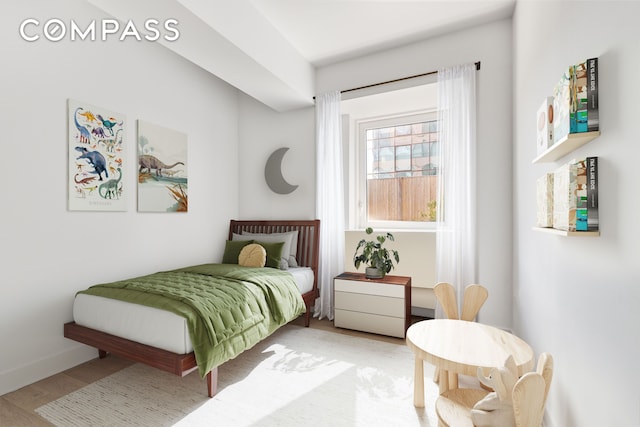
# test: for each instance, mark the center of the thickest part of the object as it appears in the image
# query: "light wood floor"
(17, 409)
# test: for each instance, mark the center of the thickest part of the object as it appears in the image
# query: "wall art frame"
(162, 169)
(96, 166)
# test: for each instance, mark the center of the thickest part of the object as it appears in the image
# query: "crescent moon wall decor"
(273, 173)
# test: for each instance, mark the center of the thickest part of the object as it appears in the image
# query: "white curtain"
(329, 198)
(456, 207)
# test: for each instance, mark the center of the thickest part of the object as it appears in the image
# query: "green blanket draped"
(229, 308)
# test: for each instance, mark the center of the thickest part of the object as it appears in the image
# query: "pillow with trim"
(232, 250)
(293, 245)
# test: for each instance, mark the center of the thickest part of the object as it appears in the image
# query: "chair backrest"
(474, 296)
(545, 368)
(528, 400)
(446, 296)
(530, 393)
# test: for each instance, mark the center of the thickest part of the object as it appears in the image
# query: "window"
(391, 136)
(400, 157)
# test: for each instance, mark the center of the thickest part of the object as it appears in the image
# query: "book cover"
(544, 127)
(544, 193)
(584, 97)
(579, 101)
(593, 117)
(581, 195)
(593, 220)
(562, 105)
(564, 197)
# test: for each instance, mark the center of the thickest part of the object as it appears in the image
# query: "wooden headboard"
(308, 244)
(308, 236)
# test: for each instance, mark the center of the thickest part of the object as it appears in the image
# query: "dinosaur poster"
(96, 158)
(162, 169)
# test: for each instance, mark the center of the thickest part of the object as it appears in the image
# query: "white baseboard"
(43, 368)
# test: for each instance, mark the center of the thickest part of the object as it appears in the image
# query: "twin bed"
(198, 317)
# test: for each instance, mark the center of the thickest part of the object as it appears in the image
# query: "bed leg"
(102, 354)
(212, 382)
(307, 317)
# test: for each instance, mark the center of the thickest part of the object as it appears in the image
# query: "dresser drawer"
(371, 288)
(373, 304)
(367, 322)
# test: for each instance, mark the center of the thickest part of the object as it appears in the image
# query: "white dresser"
(380, 306)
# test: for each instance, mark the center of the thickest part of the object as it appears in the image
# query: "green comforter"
(228, 308)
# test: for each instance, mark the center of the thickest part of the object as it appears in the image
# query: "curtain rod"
(396, 80)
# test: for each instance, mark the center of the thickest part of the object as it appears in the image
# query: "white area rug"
(296, 377)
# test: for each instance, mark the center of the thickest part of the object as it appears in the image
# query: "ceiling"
(328, 31)
(270, 49)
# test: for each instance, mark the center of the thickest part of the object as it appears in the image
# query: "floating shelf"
(567, 233)
(565, 146)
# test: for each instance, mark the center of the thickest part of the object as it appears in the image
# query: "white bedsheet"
(147, 325)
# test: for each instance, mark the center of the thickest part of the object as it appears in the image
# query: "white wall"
(578, 297)
(490, 44)
(417, 251)
(261, 132)
(49, 253)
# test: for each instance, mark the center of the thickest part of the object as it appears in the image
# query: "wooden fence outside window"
(402, 199)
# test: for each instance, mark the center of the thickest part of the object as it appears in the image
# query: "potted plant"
(378, 259)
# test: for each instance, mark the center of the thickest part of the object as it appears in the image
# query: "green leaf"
(373, 254)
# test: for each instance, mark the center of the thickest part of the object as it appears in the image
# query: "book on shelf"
(562, 97)
(593, 116)
(564, 197)
(593, 219)
(544, 193)
(586, 96)
(581, 195)
(575, 196)
(544, 127)
(575, 100)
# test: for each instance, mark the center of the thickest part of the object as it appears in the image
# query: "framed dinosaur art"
(96, 158)
(162, 169)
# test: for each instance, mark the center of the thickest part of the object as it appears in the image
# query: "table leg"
(443, 384)
(418, 384)
(453, 380)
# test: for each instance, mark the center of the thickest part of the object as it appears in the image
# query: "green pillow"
(274, 252)
(232, 250)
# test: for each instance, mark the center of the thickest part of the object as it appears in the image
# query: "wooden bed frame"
(183, 364)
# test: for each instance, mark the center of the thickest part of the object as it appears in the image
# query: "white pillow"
(270, 238)
(292, 259)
